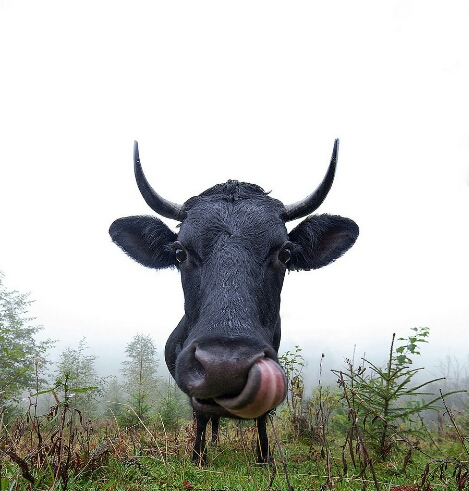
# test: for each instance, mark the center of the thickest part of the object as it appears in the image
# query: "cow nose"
(217, 368)
(223, 371)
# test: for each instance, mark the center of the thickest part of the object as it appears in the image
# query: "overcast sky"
(247, 90)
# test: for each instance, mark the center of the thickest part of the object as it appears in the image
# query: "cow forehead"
(257, 219)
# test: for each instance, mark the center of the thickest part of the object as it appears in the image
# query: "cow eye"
(179, 252)
(181, 255)
(284, 254)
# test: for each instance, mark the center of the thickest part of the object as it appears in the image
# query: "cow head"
(232, 251)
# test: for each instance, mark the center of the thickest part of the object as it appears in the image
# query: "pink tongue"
(265, 389)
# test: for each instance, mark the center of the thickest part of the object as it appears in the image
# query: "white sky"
(248, 90)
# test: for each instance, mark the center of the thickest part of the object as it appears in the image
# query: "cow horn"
(314, 200)
(156, 202)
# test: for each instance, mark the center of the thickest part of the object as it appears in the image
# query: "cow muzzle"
(265, 389)
(233, 383)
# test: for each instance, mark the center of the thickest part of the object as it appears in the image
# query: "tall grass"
(60, 450)
(324, 441)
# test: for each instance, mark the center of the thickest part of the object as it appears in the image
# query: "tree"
(22, 357)
(139, 371)
(386, 399)
(173, 406)
(113, 398)
(76, 377)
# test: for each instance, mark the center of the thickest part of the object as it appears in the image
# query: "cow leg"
(199, 454)
(215, 427)
(263, 453)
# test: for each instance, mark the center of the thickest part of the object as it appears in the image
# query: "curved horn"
(157, 203)
(314, 200)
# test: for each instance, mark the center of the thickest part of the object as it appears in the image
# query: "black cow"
(232, 251)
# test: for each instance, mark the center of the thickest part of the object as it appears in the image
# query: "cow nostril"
(203, 359)
(199, 369)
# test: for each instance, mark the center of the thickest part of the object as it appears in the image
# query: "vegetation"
(365, 433)
(140, 378)
(387, 399)
(22, 358)
(376, 429)
(76, 377)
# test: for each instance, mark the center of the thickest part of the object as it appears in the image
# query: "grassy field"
(376, 429)
(63, 451)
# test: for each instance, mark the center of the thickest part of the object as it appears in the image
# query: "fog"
(254, 91)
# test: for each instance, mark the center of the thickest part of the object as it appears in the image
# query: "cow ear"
(320, 240)
(146, 239)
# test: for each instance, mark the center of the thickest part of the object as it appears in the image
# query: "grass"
(336, 440)
(108, 457)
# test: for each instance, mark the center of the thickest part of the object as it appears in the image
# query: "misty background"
(254, 91)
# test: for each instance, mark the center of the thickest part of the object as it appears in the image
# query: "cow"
(232, 250)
